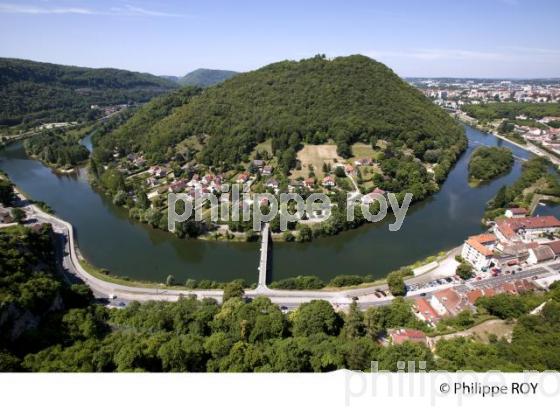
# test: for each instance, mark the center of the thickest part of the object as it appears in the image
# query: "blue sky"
(473, 38)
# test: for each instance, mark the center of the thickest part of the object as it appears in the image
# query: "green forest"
(204, 77)
(487, 163)
(47, 324)
(494, 111)
(534, 173)
(56, 149)
(347, 99)
(32, 93)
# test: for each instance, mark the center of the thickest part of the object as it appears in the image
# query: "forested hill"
(33, 92)
(347, 99)
(204, 77)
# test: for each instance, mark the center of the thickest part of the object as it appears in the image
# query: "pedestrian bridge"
(263, 263)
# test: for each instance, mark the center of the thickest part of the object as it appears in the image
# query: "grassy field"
(194, 143)
(482, 331)
(316, 156)
(361, 150)
(263, 146)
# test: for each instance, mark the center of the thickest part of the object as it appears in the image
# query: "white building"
(479, 250)
(525, 229)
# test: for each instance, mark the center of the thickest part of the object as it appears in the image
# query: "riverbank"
(109, 286)
(528, 146)
(109, 239)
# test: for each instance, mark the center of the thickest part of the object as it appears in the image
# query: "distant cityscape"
(455, 92)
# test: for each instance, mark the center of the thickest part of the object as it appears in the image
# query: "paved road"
(73, 270)
(263, 261)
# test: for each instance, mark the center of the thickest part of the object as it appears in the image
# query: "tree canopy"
(348, 99)
(32, 92)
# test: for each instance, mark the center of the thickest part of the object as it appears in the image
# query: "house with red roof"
(448, 302)
(526, 229)
(544, 252)
(329, 182)
(399, 336)
(478, 250)
(516, 213)
(425, 312)
(242, 178)
(177, 186)
(309, 183)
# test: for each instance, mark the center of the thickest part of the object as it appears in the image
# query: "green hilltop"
(345, 100)
(204, 77)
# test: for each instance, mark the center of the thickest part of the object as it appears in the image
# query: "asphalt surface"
(120, 295)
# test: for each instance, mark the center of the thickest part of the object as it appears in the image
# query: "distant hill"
(32, 92)
(204, 77)
(173, 78)
(348, 100)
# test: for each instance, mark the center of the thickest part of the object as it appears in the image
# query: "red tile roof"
(554, 245)
(450, 299)
(400, 336)
(477, 242)
(518, 211)
(426, 310)
(509, 227)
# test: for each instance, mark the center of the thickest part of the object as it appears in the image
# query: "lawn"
(316, 156)
(361, 150)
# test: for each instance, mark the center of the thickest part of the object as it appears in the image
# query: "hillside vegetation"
(204, 77)
(32, 92)
(511, 110)
(53, 148)
(143, 130)
(48, 325)
(348, 99)
(487, 163)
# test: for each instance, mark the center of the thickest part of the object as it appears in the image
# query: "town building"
(425, 312)
(545, 252)
(329, 182)
(516, 213)
(448, 302)
(479, 250)
(399, 336)
(526, 229)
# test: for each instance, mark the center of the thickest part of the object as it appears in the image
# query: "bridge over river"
(263, 263)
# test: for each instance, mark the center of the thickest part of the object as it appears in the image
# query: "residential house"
(158, 172)
(363, 162)
(473, 295)
(242, 178)
(516, 212)
(448, 302)
(309, 183)
(399, 336)
(258, 164)
(329, 182)
(425, 312)
(151, 182)
(177, 186)
(479, 250)
(272, 183)
(267, 170)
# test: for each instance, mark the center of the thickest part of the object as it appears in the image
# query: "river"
(109, 239)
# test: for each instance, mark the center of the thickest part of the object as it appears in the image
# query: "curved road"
(366, 297)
